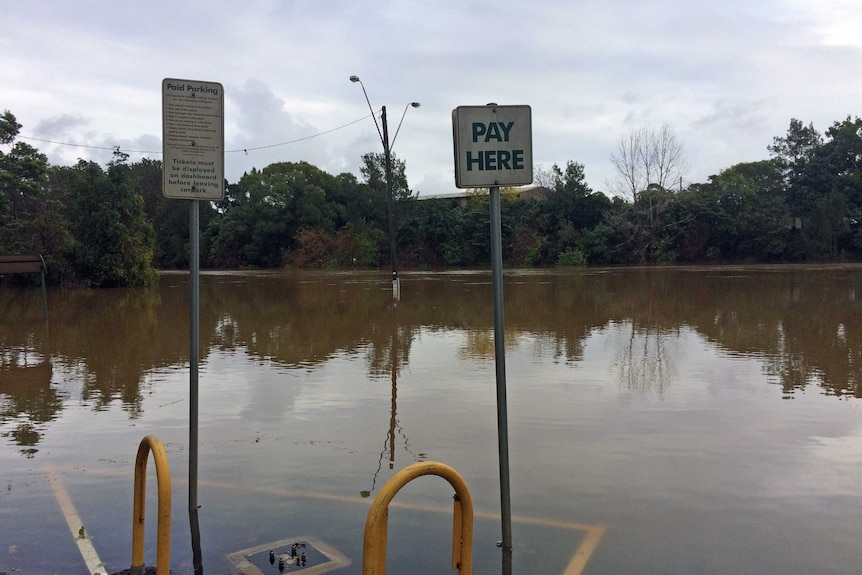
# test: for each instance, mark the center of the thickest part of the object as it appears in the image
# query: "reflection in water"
(395, 361)
(803, 323)
(26, 389)
(643, 361)
(25, 370)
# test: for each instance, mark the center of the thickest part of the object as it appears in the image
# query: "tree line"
(111, 226)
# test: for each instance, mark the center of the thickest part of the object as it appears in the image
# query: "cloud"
(727, 77)
(59, 126)
(266, 132)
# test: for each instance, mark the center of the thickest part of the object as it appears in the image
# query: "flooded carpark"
(667, 420)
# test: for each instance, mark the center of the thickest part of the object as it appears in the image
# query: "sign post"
(493, 148)
(193, 169)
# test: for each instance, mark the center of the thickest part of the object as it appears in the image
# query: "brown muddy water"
(671, 420)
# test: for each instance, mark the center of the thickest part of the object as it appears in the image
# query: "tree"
(374, 171)
(833, 182)
(571, 210)
(823, 188)
(113, 240)
(797, 146)
(644, 231)
(431, 233)
(23, 170)
(843, 152)
(356, 203)
(169, 217)
(543, 177)
(647, 157)
(794, 153)
(826, 226)
(649, 165)
(754, 217)
(9, 127)
(264, 213)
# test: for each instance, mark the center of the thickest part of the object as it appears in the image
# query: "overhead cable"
(245, 150)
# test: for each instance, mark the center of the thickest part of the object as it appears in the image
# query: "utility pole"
(390, 193)
(387, 154)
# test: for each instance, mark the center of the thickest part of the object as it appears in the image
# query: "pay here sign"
(493, 146)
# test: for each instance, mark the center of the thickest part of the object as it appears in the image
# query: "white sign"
(192, 139)
(493, 146)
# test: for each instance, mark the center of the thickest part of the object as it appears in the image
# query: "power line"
(245, 150)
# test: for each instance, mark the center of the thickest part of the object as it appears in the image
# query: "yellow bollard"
(377, 523)
(163, 532)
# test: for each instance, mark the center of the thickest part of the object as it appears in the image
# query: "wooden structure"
(22, 265)
(26, 264)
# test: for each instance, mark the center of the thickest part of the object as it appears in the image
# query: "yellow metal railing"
(163, 533)
(376, 525)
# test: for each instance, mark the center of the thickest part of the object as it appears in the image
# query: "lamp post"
(387, 155)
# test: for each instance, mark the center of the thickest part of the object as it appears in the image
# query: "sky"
(727, 77)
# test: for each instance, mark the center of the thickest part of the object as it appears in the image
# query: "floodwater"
(666, 420)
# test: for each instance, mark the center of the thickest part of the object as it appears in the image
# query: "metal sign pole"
(493, 148)
(500, 363)
(193, 169)
(194, 360)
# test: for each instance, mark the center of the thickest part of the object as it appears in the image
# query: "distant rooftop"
(461, 197)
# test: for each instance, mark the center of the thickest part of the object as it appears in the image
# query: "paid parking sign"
(493, 146)
(192, 139)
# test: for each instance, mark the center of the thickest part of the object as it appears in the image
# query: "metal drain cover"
(305, 555)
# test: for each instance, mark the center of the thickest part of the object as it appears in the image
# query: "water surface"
(696, 420)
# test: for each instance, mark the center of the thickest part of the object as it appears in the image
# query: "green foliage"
(359, 245)
(169, 217)
(572, 257)
(528, 246)
(823, 190)
(428, 229)
(23, 171)
(827, 225)
(374, 171)
(355, 246)
(797, 146)
(314, 249)
(570, 201)
(753, 217)
(265, 211)
(356, 203)
(113, 240)
(9, 127)
(110, 226)
(53, 239)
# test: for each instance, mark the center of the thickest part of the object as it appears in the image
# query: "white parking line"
(76, 526)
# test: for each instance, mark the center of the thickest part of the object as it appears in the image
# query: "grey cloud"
(60, 125)
(742, 116)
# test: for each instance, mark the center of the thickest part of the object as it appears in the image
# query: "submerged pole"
(194, 360)
(500, 364)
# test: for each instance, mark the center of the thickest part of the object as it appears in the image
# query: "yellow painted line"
(592, 533)
(76, 526)
(585, 550)
(577, 564)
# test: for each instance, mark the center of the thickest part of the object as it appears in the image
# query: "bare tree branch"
(645, 157)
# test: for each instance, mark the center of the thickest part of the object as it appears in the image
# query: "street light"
(404, 113)
(387, 154)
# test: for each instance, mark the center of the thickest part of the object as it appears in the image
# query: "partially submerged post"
(493, 148)
(193, 169)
